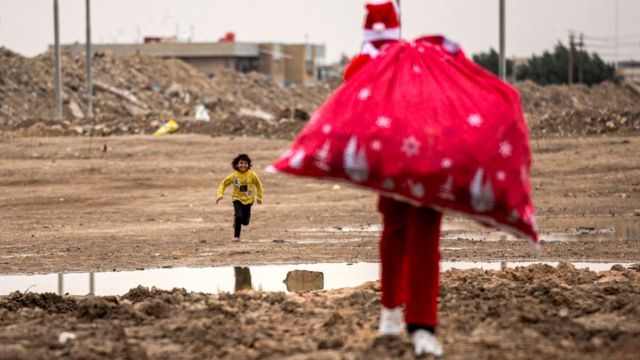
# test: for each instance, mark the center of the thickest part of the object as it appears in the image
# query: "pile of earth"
(528, 312)
(138, 94)
(580, 110)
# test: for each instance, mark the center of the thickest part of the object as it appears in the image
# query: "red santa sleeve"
(356, 64)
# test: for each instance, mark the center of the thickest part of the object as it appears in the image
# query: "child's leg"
(392, 251)
(246, 214)
(423, 251)
(237, 218)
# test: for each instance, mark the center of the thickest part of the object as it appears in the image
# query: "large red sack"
(422, 123)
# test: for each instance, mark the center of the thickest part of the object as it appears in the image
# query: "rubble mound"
(138, 94)
(579, 109)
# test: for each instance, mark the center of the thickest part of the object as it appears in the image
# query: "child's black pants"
(242, 215)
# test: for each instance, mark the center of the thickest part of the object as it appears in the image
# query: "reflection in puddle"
(598, 229)
(243, 278)
(304, 280)
(300, 277)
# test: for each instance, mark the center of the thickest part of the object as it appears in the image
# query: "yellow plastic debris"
(169, 127)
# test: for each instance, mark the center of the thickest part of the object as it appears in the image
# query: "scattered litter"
(169, 127)
(336, 187)
(202, 114)
(624, 196)
(75, 110)
(257, 113)
(66, 336)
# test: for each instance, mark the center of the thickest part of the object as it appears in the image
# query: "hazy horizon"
(533, 26)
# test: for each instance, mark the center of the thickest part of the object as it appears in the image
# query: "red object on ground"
(422, 123)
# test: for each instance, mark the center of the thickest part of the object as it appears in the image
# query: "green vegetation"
(553, 67)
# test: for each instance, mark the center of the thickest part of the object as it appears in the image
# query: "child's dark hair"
(244, 157)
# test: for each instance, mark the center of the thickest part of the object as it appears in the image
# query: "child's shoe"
(391, 321)
(236, 239)
(425, 342)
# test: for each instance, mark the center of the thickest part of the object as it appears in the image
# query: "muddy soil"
(99, 204)
(83, 204)
(523, 313)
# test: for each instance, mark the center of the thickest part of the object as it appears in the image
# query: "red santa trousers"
(410, 259)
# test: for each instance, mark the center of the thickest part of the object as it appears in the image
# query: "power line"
(612, 38)
(608, 46)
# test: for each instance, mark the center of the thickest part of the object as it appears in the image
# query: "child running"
(245, 184)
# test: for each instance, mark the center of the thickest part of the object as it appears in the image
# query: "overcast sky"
(26, 26)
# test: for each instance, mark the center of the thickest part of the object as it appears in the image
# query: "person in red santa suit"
(410, 239)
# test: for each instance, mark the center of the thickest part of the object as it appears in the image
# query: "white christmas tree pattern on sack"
(481, 191)
(355, 161)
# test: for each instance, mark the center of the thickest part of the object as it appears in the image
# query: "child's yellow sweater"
(243, 186)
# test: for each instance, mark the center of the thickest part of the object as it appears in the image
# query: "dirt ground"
(537, 312)
(68, 205)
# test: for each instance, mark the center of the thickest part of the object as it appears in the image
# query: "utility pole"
(502, 63)
(56, 35)
(580, 56)
(571, 47)
(400, 17)
(615, 39)
(89, 58)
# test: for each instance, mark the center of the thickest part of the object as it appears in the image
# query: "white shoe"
(425, 342)
(391, 321)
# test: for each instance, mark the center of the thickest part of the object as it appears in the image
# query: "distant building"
(285, 64)
(629, 70)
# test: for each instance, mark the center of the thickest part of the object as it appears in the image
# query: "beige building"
(285, 64)
(629, 70)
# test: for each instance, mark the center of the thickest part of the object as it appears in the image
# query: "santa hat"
(382, 21)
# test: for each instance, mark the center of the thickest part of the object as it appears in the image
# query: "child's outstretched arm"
(259, 190)
(222, 187)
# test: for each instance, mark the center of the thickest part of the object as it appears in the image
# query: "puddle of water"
(300, 277)
(594, 229)
(326, 241)
(16, 256)
(371, 228)
(377, 228)
(598, 229)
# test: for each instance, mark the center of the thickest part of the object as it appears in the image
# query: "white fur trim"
(369, 49)
(379, 26)
(386, 34)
